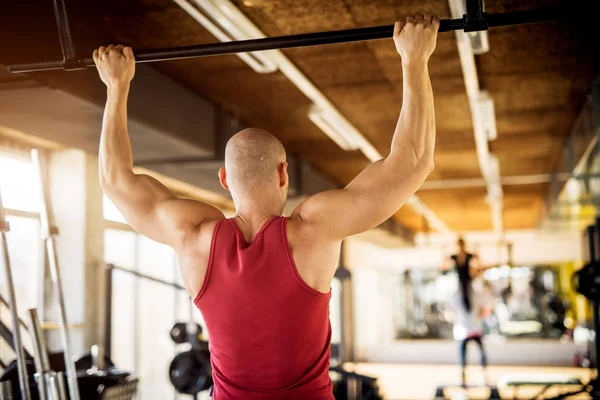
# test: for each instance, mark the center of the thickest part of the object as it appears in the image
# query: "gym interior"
(517, 113)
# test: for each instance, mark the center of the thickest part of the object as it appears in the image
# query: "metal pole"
(308, 39)
(53, 386)
(6, 390)
(146, 277)
(64, 31)
(108, 311)
(49, 231)
(596, 105)
(475, 18)
(596, 304)
(59, 378)
(12, 301)
(475, 9)
(40, 353)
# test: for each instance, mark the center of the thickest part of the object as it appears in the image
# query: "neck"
(254, 215)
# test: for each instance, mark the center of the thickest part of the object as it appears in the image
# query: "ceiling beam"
(482, 114)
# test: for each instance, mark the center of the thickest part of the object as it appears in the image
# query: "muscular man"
(262, 281)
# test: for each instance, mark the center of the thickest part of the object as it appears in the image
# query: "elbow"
(113, 173)
(110, 181)
(427, 166)
(105, 182)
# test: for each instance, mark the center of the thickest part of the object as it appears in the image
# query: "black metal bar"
(596, 105)
(475, 8)
(6, 334)
(21, 322)
(596, 303)
(108, 292)
(144, 276)
(64, 31)
(475, 18)
(309, 39)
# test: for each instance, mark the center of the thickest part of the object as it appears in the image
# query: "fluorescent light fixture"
(486, 116)
(492, 169)
(209, 16)
(332, 127)
(479, 42)
(497, 216)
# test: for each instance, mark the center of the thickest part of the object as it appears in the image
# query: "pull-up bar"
(283, 42)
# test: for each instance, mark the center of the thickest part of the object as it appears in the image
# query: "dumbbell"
(179, 332)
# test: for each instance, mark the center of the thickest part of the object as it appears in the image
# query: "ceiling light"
(479, 42)
(486, 116)
(210, 16)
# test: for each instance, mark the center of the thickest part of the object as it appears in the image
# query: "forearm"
(116, 160)
(414, 137)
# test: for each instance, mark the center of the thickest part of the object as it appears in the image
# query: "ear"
(223, 178)
(283, 175)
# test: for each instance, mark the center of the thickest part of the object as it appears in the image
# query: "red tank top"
(269, 332)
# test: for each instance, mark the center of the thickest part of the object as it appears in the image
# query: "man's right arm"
(383, 187)
(147, 205)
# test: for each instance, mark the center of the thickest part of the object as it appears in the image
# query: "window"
(143, 311)
(18, 183)
(110, 211)
(21, 199)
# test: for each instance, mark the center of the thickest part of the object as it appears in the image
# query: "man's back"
(269, 331)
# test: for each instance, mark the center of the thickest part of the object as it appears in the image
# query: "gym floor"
(416, 382)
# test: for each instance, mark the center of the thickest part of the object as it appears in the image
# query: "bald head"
(252, 161)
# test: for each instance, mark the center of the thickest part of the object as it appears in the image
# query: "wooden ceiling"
(537, 75)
